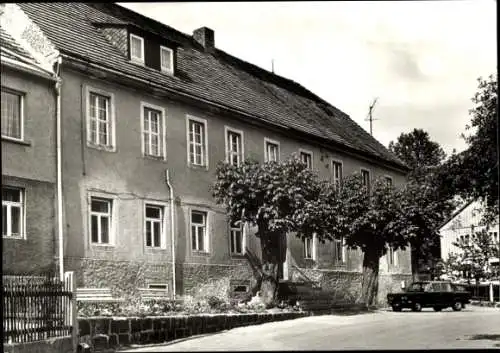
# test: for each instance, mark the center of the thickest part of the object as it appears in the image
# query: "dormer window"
(136, 48)
(167, 59)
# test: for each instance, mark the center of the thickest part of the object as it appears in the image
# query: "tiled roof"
(9, 43)
(217, 77)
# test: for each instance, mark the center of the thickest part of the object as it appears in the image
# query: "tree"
(424, 157)
(473, 173)
(278, 198)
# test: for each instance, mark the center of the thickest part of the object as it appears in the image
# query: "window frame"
(310, 153)
(392, 258)
(268, 141)
(22, 97)
(240, 154)
(163, 132)
(163, 68)
(206, 238)
(314, 246)
(342, 251)
(334, 162)
(111, 147)
(113, 224)
(204, 144)
(163, 224)
(140, 60)
(387, 178)
(369, 188)
(242, 230)
(22, 218)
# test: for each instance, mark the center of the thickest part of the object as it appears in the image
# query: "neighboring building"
(28, 159)
(464, 222)
(146, 107)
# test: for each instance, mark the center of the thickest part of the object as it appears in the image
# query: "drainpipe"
(59, 169)
(172, 229)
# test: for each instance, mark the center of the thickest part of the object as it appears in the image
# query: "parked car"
(430, 294)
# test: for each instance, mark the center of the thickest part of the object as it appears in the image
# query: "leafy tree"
(473, 173)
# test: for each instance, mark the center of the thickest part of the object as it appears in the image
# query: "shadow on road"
(493, 337)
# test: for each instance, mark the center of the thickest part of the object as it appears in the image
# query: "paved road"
(383, 329)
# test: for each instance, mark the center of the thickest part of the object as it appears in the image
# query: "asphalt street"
(474, 327)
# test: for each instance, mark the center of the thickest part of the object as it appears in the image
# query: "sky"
(420, 59)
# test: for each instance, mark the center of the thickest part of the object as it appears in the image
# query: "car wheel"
(396, 308)
(438, 308)
(463, 305)
(457, 306)
(417, 307)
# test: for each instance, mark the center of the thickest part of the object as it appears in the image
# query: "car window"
(428, 287)
(447, 287)
(415, 287)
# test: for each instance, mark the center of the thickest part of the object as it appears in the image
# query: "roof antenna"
(370, 118)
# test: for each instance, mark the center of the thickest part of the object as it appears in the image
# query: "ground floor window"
(13, 210)
(237, 239)
(100, 220)
(199, 236)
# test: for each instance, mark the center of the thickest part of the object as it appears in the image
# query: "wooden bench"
(95, 295)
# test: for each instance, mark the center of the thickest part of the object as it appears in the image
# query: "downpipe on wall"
(59, 168)
(172, 228)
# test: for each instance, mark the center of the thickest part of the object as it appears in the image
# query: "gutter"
(172, 229)
(30, 69)
(59, 169)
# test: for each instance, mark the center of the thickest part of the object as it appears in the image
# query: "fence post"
(492, 299)
(71, 309)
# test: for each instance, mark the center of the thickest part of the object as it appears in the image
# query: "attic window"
(136, 48)
(167, 59)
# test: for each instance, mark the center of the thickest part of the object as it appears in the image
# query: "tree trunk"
(272, 257)
(369, 287)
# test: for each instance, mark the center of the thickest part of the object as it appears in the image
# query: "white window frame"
(304, 151)
(387, 178)
(268, 141)
(113, 224)
(204, 144)
(392, 257)
(135, 58)
(242, 230)
(229, 153)
(21, 113)
(112, 124)
(369, 177)
(333, 163)
(342, 251)
(22, 220)
(314, 246)
(164, 68)
(163, 132)
(163, 224)
(206, 238)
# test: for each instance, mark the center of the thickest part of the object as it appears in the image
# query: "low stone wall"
(53, 345)
(104, 333)
(390, 283)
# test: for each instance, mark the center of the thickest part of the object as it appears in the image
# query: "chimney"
(205, 37)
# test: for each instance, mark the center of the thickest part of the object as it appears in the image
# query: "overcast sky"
(420, 58)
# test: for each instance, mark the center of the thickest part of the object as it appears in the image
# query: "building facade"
(147, 113)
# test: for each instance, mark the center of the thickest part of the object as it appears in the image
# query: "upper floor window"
(100, 119)
(153, 223)
(388, 180)
(307, 158)
(136, 48)
(199, 234)
(167, 59)
(197, 141)
(12, 114)
(365, 174)
(234, 146)
(13, 212)
(336, 173)
(153, 130)
(237, 239)
(272, 150)
(100, 220)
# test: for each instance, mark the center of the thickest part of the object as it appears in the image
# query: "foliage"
(473, 173)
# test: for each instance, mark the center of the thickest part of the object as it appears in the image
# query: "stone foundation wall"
(53, 345)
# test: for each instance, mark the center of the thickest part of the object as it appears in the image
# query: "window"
(136, 48)
(234, 146)
(388, 180)
(199, 231)
(365, 174)
(167, 59)
(307, 158)
(272, 150)
(100, 119)
(467, 239)
(100, 220)
(197, 142)
(337, 173)
(310, 247)
(339, 250)
(12, 212)
(12, 114)
(392, 256)
(237, 239)
(154, 230)
(153, 130)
